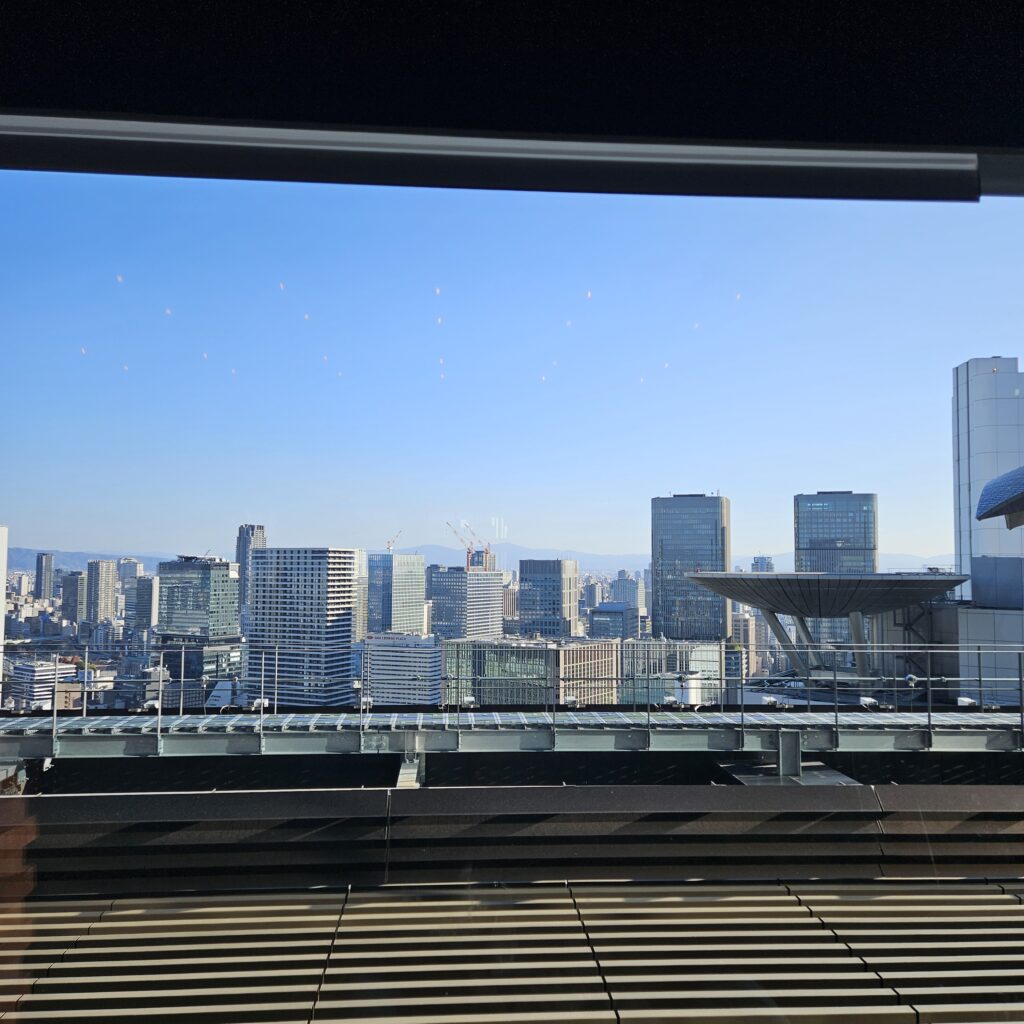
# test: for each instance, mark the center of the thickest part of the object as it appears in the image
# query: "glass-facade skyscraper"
(198, 616)
(835, 531)
(251, 537)
(44, 576)
(396, 591)
(689, 533)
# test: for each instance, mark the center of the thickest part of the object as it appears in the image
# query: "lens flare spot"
(119, 278)
(167, 311)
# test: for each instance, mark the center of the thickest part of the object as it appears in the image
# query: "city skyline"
(688, 309)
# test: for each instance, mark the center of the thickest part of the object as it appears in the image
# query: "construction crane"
(485, 544)
(465, 543)
(391, 543)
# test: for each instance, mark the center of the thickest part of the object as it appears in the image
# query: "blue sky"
(582, 354)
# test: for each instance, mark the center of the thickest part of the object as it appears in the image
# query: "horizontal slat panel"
(449, 954)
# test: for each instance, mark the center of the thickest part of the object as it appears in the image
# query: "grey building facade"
(147, 602)
(466, 603)
(689, 533)
(44, 576)
(198, 616)
(73, 596)
(614, 619)
(549, 597)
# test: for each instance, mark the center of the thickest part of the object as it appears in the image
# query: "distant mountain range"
(24, 559)
(507, 557)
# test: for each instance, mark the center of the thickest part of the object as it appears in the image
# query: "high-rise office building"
(399, 668)
(101, 591)
(628, 590)
(396, 590)
(198, 599)
(3, 584)
(689, 533)
(988, 440)
(363, 597)
(73, 597)
(510, 600)
(762, 563)
(835, 531)
(198, 621)
(302, 612)
(147, 603)
(44, 576)
(549, 597)
(251, 537)
(128, 569)
(466, 603)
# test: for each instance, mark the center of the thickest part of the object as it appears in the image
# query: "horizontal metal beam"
(266, 152)
(198, 735)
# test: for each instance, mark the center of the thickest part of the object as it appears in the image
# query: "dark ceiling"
(946, 75)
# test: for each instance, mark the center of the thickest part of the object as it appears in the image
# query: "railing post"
(263, 666)
(276, 653)
(181, 685)
(981, 701)
(928, 684)
(835, 698)
(743, 704)
(648, 708)
(1020, 694)
(85, 683)
(160, 704)
(721, 675)
(53, 737)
